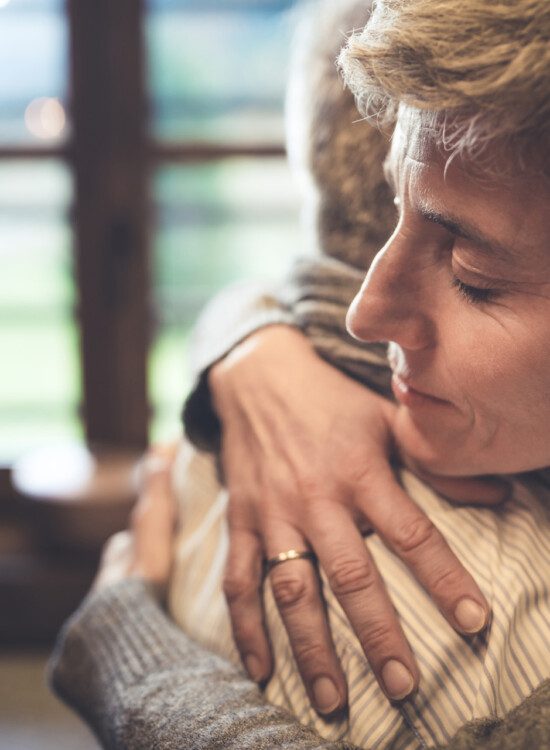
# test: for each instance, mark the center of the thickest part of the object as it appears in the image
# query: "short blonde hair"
(477, 71)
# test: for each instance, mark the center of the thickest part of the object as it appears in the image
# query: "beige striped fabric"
(508, 552)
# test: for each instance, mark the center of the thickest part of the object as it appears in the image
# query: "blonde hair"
(477, 72)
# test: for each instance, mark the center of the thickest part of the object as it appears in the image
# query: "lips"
(406, 394)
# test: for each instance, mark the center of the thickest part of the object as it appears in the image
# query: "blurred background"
(142, 168)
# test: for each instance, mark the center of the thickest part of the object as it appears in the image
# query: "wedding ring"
(291, 554)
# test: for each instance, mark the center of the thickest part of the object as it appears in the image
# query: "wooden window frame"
(110, 213)
(112, 157)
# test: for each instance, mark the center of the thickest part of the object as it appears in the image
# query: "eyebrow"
(458, 227)
(467, 231)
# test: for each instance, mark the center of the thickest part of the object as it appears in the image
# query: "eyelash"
(474, 294)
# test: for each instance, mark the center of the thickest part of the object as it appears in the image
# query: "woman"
(290, 440)
(466, 283)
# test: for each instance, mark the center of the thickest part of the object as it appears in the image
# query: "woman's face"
(461, 291)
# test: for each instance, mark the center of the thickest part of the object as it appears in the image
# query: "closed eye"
(474, 294)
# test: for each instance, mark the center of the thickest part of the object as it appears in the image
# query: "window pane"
(217, 69)
(216, 223)
(39, 377)
(33, 71)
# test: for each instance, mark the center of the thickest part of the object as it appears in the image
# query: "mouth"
(413, 397)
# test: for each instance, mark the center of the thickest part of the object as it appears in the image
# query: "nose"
(394, 302)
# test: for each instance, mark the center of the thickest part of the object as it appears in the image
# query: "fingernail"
(254, 667)
(397, 679)
(325, 695)
(470, 616)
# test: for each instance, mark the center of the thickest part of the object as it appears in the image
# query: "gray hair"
(477, 72)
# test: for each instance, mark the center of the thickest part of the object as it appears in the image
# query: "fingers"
(153, 517)
(356, 583)
(296, 590)
(156, 464)
(410, 534)
(242, 588)
(155, 505)
(117, 548)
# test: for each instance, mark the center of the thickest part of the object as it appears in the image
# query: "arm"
(141, 683)
(306, 454)
(133, 675)
(306, 449)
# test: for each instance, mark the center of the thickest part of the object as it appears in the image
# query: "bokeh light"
(45, 118)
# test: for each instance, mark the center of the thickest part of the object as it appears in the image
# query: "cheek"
(496, 361)
(480, 362)
(502, 373)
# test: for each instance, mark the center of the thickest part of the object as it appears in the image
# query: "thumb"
(154, 518)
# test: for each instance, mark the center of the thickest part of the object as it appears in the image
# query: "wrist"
(271, 340)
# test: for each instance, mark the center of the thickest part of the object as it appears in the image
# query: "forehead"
(412, 138)
(515, 212)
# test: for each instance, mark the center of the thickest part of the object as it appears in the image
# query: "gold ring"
(292, 554)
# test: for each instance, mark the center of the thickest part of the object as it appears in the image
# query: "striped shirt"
(506, 549)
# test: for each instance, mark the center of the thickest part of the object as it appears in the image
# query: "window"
(166, 207)
(217, 69)
(216, 72)
(40, 372)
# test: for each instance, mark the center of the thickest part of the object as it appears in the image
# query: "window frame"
(112, 158)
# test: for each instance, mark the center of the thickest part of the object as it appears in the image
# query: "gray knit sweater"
(141, 683)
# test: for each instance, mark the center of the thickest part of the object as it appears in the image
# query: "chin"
(437, 449)
(433, 450)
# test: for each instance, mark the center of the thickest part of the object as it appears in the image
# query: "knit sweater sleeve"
(140, 683)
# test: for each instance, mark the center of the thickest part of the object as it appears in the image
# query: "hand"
(145, 550)
(306, 455)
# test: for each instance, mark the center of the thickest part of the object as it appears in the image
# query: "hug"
(360, 514)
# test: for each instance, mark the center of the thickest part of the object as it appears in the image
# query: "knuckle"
(349, 576)
(377, 637)
(238, 587)
(309, 654)
(446, 581)
(360, 473)
(245, 631)
(414, 534)
(290, 590)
